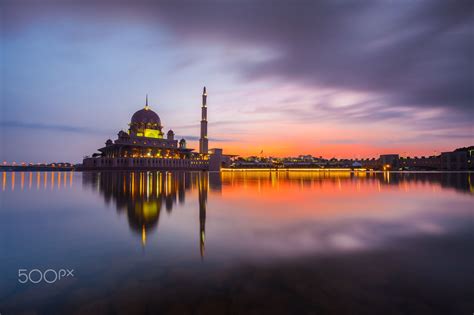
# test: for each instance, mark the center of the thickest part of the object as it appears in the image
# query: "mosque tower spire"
(203, 142)
(146, 102)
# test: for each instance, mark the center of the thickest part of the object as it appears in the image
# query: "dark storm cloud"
(411, 53)
(414, 53)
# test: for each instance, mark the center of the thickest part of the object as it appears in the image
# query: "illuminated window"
(152, 133)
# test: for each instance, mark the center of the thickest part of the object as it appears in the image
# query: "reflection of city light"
(159, 181)
(124, 180)
(147, 183)
(471, 186)
(168, 184)
(140, 184)
(143, 235)
(132, 184)
(320, 170)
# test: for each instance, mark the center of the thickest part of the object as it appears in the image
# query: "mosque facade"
(145, 146)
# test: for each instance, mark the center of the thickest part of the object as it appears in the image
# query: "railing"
(144, 163)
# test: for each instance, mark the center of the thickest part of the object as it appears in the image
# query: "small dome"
(146, 116)
(171, 132)
(123, 134)
(182, 144)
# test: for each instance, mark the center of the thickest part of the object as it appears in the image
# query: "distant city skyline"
(331, 79)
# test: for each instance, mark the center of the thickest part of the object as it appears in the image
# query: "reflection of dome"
(143, 213)
(146, 116)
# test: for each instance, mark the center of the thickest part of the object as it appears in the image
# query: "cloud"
(412, 60)
(79, 129)
(411, 54)
(52, 127)
(338, 141)
(224, 123)
(195, 138)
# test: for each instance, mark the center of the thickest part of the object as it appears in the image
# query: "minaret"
(203, 145)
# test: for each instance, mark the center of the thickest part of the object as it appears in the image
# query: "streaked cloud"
(325, 77)
(52, 127)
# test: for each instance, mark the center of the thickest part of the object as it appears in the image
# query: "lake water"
(237, 242)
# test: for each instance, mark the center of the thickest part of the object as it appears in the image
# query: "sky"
(345, 79)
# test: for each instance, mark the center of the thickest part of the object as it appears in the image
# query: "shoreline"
(224, 170)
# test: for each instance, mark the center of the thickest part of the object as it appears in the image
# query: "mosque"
(144, 146)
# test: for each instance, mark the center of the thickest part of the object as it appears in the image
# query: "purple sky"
(331, 78)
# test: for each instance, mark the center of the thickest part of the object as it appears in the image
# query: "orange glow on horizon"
(327, 151)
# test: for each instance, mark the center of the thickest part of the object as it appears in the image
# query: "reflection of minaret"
(203, 139)
(202, 191)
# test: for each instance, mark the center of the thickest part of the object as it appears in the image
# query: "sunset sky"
(327, 78)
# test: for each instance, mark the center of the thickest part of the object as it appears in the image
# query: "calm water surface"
(239, 243)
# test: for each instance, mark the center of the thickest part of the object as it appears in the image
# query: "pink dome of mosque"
(146, 116)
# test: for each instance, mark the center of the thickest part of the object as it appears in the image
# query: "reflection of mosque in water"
(143, 195)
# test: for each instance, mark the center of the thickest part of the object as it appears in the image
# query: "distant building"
(459, 159)
(389, 161)
(423, 163)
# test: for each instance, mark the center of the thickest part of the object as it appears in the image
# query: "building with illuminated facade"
(145, 146)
